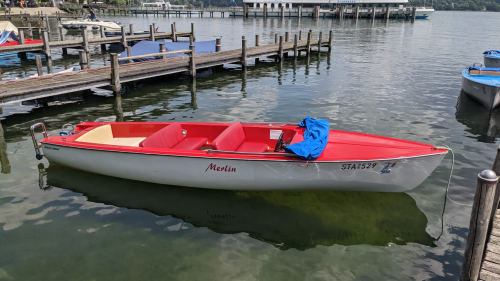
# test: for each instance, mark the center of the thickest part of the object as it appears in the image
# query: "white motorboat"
(423, 12)
(86, 23)
(492, 58)
(483, 85)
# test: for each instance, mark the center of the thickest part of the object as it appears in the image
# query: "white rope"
(449, 180)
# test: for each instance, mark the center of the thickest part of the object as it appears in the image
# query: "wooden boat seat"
(486, 72)
(172, 137)
(104, 135)
(233, 139)
(125, 141)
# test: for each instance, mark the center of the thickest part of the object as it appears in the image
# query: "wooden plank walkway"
(79, 43)
(50, 85)
(490, 269)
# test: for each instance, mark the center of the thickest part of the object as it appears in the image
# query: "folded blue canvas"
(315, 139)
(491, 52)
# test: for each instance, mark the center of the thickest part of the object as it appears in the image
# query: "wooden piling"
(478, 229)
(174, 37)
(115, 74)
(192, 32)
(217, 44)
(287, 36)
(280, 50)
(192, 64)
(265, 11)
(330, 40)
(152, 32)
(387, 12)
(276, 38)
(413, 13)
(300, 12)
(162, 50)
(103, 35)
(129, 53)
(46, 46)
(282, 12)
(61, 37)
(295, 47)
(131, 29)
(39, 69)
(83, 59)
(309, 38)
(243, 52)
(124, 37)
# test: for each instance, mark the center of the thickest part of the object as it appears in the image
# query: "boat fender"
(95, 27)
(66, 26)
(74, 26)
(83, 27)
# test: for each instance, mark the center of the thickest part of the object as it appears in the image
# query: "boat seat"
(125, 141)
(172, 137)
(233, 139)
(484, 72)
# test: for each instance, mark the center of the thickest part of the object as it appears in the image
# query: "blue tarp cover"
(6, 35)
(315, 139)
(491, 52)
(483, 68)
(153, 47)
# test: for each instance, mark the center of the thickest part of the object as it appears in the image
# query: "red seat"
(252, 147)
(191, 143)
(233, 139)
(230, 139)
(172, 137)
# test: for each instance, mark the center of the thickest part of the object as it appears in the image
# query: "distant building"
(323, 3)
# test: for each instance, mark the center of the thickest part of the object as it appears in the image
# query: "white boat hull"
(491, 62)
(390, 175)
(423, 13)
(487, 95)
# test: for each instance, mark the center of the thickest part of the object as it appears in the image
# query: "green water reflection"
(285, 219)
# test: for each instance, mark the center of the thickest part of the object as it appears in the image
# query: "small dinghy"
(483, 85)
(242, 156)
(492, 58)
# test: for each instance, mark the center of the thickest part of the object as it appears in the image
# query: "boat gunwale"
(294, 159)
(469, 77)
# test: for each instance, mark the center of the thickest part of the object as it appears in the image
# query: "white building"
(323, 3)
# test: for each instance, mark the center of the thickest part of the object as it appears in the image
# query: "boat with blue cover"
(492, 58)
(483, 85)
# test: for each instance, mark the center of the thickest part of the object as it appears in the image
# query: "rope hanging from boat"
(449, 180)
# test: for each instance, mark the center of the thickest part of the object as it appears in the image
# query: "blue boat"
(483, 85)
(492, 58)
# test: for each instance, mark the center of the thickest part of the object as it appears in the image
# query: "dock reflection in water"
(285, 219)
(481, 122)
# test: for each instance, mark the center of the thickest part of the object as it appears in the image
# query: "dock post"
(131, 29)
(47, 23)
(243, 53)
(115, 74)
(479, 222)
(84, 63)
(46, 46)
(192, 64)
(373, 13)
(496, 169)
(61, 36)
(265, 11)
(174, 37)
(319, 40)
(387, 13)
(341, 12)
(295, 46)
(217, 44)
(39, 69)
(300, 38)
(124, 37)
(276, 38)
(30, 30)
(413, 13)
(330, 40)
(280, 49)
(152, 32)
(129, 53)
(192, 32)
(22, 55)
(356, 13)
(162, 50)
(257, 43)
(287, 36)
(309, 38)
(282, 12)
(300, 12)
(103, 35)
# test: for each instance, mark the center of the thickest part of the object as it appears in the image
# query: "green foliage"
(460, 5)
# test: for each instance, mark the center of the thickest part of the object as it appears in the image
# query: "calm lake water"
(397, 79)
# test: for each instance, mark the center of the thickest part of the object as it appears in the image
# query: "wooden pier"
(112, 77)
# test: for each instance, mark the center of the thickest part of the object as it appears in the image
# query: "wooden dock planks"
(490, 269)
(49, 85)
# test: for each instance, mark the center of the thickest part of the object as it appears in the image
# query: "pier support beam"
(217, 44)
(192, 63)
(257, 43)
(115, 74)
(373, 14)
(174, 36)
(46, 47)
(244, 53)
(387, 13)
(151, 32)
(330, 41)
(413, 13)
(320, 40)
(280, 50)
(282, 12)
(479, 222)
(103, 35)
(356, 12)
(265, 11)
(124, 37)
(309, 38)
(295, 47)
(84, 63)
(192, 32)
(300, 12)
(61, 36)
(39, 69)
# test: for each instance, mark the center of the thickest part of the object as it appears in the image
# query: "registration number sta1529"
(361, 166)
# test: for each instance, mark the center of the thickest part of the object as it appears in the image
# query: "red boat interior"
(26, 41)
(186, 136)
(251, 139)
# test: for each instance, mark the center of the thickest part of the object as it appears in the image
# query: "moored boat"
(240, 156)
(86, 23)
(482, 84)
(423, 12)
(492, 58)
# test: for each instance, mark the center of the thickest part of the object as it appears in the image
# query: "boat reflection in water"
(286, 219)
(485, 124)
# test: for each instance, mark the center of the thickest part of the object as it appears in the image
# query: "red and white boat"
(240, 156)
